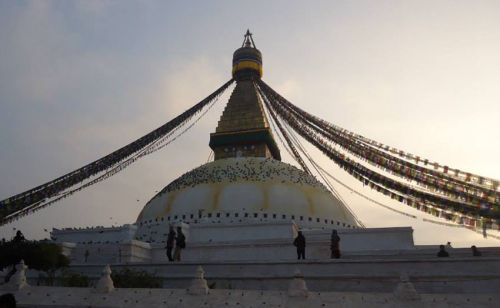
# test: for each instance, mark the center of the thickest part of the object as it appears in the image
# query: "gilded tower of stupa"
(243, 129)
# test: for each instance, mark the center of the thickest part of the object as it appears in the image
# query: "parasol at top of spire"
(247, 60)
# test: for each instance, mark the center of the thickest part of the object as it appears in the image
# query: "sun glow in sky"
(79, 79)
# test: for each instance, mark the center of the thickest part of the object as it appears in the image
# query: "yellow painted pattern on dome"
(308, 192)
(247, 65)
(265, 194)
(213, 202)
(247, 185)
(215, 195)
(169, 202)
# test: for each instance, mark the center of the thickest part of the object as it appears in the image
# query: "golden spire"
(243, 129)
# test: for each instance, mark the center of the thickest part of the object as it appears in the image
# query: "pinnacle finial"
(248, 40)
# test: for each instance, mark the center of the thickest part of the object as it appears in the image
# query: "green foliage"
(39, 255)
(128, 278)
(70, 279)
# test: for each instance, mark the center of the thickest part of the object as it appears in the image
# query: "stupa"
(241, 212)
(244, 205)
(246, 182)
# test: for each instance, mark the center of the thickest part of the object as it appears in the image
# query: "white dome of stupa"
(245, 189)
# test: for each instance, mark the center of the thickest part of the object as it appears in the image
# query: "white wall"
(101, 235)
(85, 297)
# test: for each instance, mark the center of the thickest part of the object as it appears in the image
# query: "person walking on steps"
(170, 243)
(335, 245)
(475, 251)
(442, 252)
(300, 243)
(180, 243)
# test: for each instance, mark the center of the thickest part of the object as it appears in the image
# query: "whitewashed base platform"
(84, 297)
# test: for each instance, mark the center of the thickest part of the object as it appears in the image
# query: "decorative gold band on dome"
(247, 64)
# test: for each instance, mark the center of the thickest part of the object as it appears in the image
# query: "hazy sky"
(78, 79)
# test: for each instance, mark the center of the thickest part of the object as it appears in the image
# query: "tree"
(128, 278)
(71, 279)
(40, 255)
